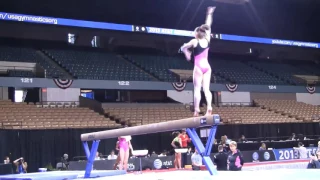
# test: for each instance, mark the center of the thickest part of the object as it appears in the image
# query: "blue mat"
(60, 175)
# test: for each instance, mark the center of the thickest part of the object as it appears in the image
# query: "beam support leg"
(204, 151)
(90, 156)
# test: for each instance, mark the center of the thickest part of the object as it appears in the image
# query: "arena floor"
(280, 174)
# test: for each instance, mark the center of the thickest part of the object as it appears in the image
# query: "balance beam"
(194, 122)
(189, 123)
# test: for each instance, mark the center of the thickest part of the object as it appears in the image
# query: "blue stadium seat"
(20, 73)
(282, 71)
(97, 65)
(28, 55)
(241, 73)
(159, 66)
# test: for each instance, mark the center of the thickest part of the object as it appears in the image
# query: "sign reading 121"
(26, 80)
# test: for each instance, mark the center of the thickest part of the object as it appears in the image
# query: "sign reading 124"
(26, 80)
(272, 87)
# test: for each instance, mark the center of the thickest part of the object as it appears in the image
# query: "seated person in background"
(314, 162)
(263, 147)
(112, 156)
(227, 140)
(21, 165)
(97, 156)
(301, 150)
(215, 141)
(243, 139)
(153, 154)
(318, 150)
(221, 159)
(6, 160)
(164, 153)
(292, 137)
(196, 160)
(225, 148)
(223, 140)
(63, 164)
(101, 156)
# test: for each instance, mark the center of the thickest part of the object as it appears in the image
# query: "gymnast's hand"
(187, 54)
(211, 9)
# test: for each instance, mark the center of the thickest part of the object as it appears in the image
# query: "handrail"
(232, 104)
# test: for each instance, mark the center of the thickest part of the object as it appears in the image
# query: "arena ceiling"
(285, 19)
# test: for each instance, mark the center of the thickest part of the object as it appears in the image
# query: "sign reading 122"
(124, 83)
(26, 80)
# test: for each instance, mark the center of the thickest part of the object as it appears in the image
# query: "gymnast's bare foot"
(209, 112)
(195, 114)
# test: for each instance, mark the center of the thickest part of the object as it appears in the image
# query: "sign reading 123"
(26, 80)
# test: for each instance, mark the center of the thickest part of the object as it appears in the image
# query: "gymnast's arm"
(130, 146)
(172, 144)
(117, 146)
(25, 166)
(188, 45)
(185, 48)
(208, 22)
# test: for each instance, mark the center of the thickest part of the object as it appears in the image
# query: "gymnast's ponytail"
(201, 31)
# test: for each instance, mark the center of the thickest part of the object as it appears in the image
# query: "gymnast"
(124, 146)
(176, 144)
(202, 69)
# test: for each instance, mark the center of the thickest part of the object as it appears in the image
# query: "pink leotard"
(123, 143)
(201, 57)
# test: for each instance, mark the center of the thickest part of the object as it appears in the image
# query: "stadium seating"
(251, 115)
(17, 54)
(50, 116)
(20, 73)
(291, 108)
(240, 73)
(97, 65)
(283, 71)
(136, 115)
(159, 66)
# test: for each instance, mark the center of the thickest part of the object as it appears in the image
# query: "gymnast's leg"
(179, 160)
(197, 82)
(175, 160)
(121, 159)
(206, 90)
(126, 159)
(117, 162)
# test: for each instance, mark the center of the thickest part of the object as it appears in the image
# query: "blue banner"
(153, 30)
(64, 22)
(287, 154)
(269, 41)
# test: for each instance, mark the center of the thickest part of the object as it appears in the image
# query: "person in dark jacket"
(221, 159)
(314, 162)
(235, 158)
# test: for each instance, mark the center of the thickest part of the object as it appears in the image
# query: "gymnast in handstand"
(202, 69)
(124, 146)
